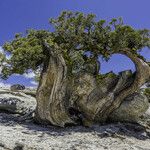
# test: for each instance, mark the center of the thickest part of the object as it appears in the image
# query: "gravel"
(30, 136)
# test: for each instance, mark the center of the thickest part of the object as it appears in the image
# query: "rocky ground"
(30, 136)
(19, 134)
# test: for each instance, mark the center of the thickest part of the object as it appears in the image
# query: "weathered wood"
(142, 75)
(51, 93)
(63, 99)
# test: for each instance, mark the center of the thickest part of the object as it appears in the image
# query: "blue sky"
(19, 15)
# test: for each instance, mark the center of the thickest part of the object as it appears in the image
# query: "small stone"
(19, 146)
(17, 87)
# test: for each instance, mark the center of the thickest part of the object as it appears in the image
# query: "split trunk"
(81, 98)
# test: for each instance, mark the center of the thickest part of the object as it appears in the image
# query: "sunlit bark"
(63, 99)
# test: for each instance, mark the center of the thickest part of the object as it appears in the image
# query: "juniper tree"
(69, 89)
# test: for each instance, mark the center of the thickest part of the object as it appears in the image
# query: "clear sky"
(19, 15)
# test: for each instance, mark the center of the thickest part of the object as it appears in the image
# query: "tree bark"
(142, 75)
(52, 92)
(62, 99)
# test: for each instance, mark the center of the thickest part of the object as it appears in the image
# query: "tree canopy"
(73, 32)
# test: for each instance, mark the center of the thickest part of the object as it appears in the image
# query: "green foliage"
(101, 77)
(26, 52)
(147, 92)
(73, 32)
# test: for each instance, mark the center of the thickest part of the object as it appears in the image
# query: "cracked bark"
(57, 92)
(142, 75)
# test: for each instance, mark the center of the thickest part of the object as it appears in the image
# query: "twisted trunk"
(52, 92)
(62, 99)
(117, 97)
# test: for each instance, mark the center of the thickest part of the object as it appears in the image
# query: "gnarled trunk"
(52, 92)
(63, 99)
(117, 96)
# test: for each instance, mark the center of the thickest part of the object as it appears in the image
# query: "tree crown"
(74, 33)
